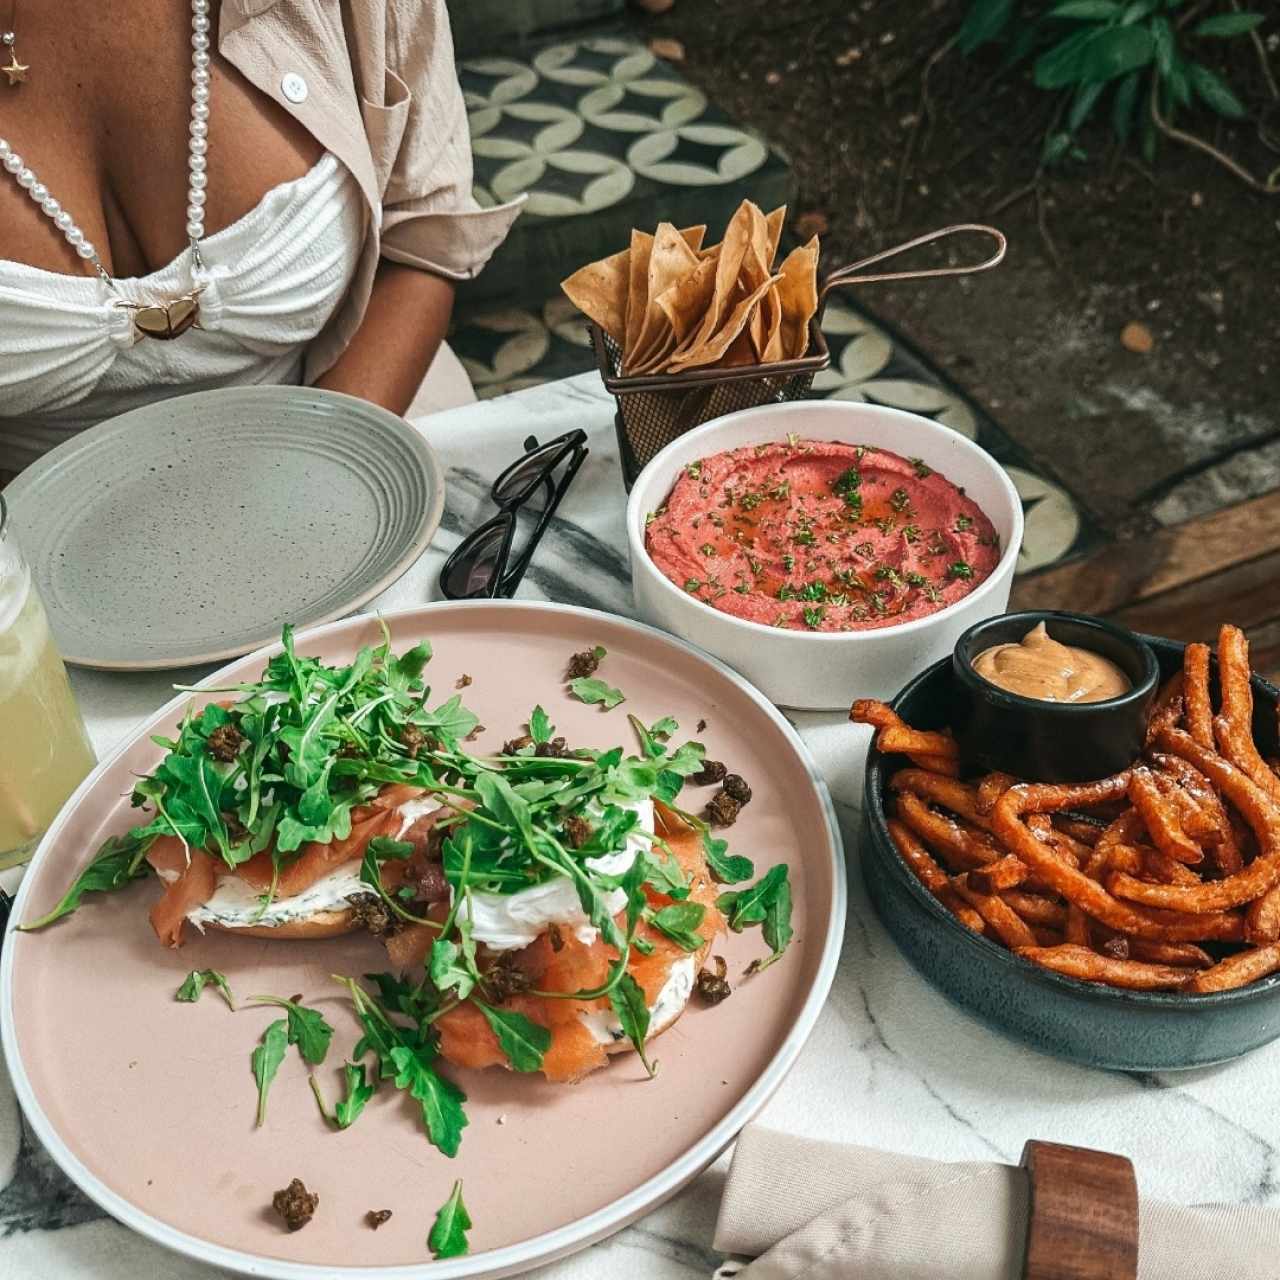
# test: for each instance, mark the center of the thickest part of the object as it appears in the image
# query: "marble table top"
(891, 1064)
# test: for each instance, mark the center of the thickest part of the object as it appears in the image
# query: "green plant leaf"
(1227, 24)
(523, 1041)
(632, 1011)
(985, 20)
(1122, 106)
(749, 906)
(197, 980)
(540, 726)
(359, 1091)
(591, 689)
(725, 867)
(441, 1100)
(680, 922)
(1082, 104)
(449, 971)
(776, 926)
(1060, 65)
(1137, 10)
(307, 1027)
(448, 1235)
(265, 1061)
(121, 860)
(1115, 51)
(665, 874)
(1213, 91)
(1087, 10)
(1163, 44)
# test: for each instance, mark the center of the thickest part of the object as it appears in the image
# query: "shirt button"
(294, 87)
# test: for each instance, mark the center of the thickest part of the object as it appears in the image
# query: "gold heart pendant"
(167, 320)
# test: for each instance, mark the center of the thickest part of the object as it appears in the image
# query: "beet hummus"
(820, 535)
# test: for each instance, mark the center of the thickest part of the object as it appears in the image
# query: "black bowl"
(1093, 1025)
(1051, 741)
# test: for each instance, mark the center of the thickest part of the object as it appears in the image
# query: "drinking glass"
(44, 750)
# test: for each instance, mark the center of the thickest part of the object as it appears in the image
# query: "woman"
(289, 178)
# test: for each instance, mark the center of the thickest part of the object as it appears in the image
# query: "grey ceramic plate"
(189, 530)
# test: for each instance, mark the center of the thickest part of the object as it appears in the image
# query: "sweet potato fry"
(1262, 920)
(1089, 966)
(1161, 819)
(1036, 910)
(1162, 868)
(1005, 922)
(1070, 882)
(1167, 710)
(1234, 727)
(959, 797)
(1046, 936)
(1085, 833)
(1077, 930)
(1237, 971)
(1195, 671)
(948, 766)
(1179, 953)
(1225, 851)
(1007, 873)
(920, 861)
(991, 788)
(903, 739)
(963, 848)
(874, 712)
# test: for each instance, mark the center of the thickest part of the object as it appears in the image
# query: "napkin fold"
(829, 1211)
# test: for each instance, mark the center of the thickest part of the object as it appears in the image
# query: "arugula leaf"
(307, 1027)
(725, 867)
(665, 874)
(653, 739)
(750, 906)
(448, 1235)
(359, 1091)
(687, 759)
(523, 1041)
(383, 847)
(590, 689)
(441, 1099)
(195, 983)
(680, 922)
(540, 726)
(120, 860)
(776, 926)
(265, 1061)
(664, 728)
(632, 1011)
(449, 971)
(450, 720)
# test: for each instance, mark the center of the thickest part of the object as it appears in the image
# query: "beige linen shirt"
(374, 82)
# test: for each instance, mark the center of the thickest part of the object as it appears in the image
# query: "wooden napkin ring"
(1082, 1220)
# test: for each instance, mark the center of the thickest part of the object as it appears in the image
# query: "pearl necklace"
(162, 320)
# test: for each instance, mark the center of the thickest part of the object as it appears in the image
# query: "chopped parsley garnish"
(962, 523)
(900, 500)
(886, 524)
(959, 569)
(911, 532)
(846, 485)
(693, 470)
(707, 549)
(803, 538)
(922, 469)
(693, 584)
(788, 562)
(813, 617)
(916, 580)
(814, 591)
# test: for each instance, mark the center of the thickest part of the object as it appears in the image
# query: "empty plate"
(189, 530)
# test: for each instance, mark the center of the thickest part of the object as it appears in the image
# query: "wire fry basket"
(654, 409)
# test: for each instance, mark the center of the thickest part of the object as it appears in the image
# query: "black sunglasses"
(481, 565)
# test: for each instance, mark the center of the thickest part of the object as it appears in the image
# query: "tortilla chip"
(599, 291)
(637, 290)
(741, 351)
(685, 302)
(711, 351)
(775, 222)
(733, 248)
(693, 236)
(771, 307)
(670, 259)
(798, 296)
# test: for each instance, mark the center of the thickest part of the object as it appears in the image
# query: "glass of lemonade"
(44, 750)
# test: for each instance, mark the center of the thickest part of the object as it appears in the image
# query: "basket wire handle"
(849, 275)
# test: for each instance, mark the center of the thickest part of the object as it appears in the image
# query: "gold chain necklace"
(163, 320)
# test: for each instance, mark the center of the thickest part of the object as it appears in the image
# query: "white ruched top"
(70, 358)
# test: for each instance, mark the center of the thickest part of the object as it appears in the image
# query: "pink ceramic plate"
(149, 1104)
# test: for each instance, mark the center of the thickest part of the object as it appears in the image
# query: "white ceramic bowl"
(825, 670)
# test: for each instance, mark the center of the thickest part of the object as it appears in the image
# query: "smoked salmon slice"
(466, 1038)
(196, 879)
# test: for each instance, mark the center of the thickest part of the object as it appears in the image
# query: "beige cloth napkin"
(827, 1211)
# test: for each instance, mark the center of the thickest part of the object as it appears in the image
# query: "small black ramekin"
(1051, 741)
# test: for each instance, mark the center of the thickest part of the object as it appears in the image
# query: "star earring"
(16, 71)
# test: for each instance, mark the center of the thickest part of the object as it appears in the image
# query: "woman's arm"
(397, 339)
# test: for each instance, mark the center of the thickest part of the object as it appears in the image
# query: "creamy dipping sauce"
(1038, 666)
